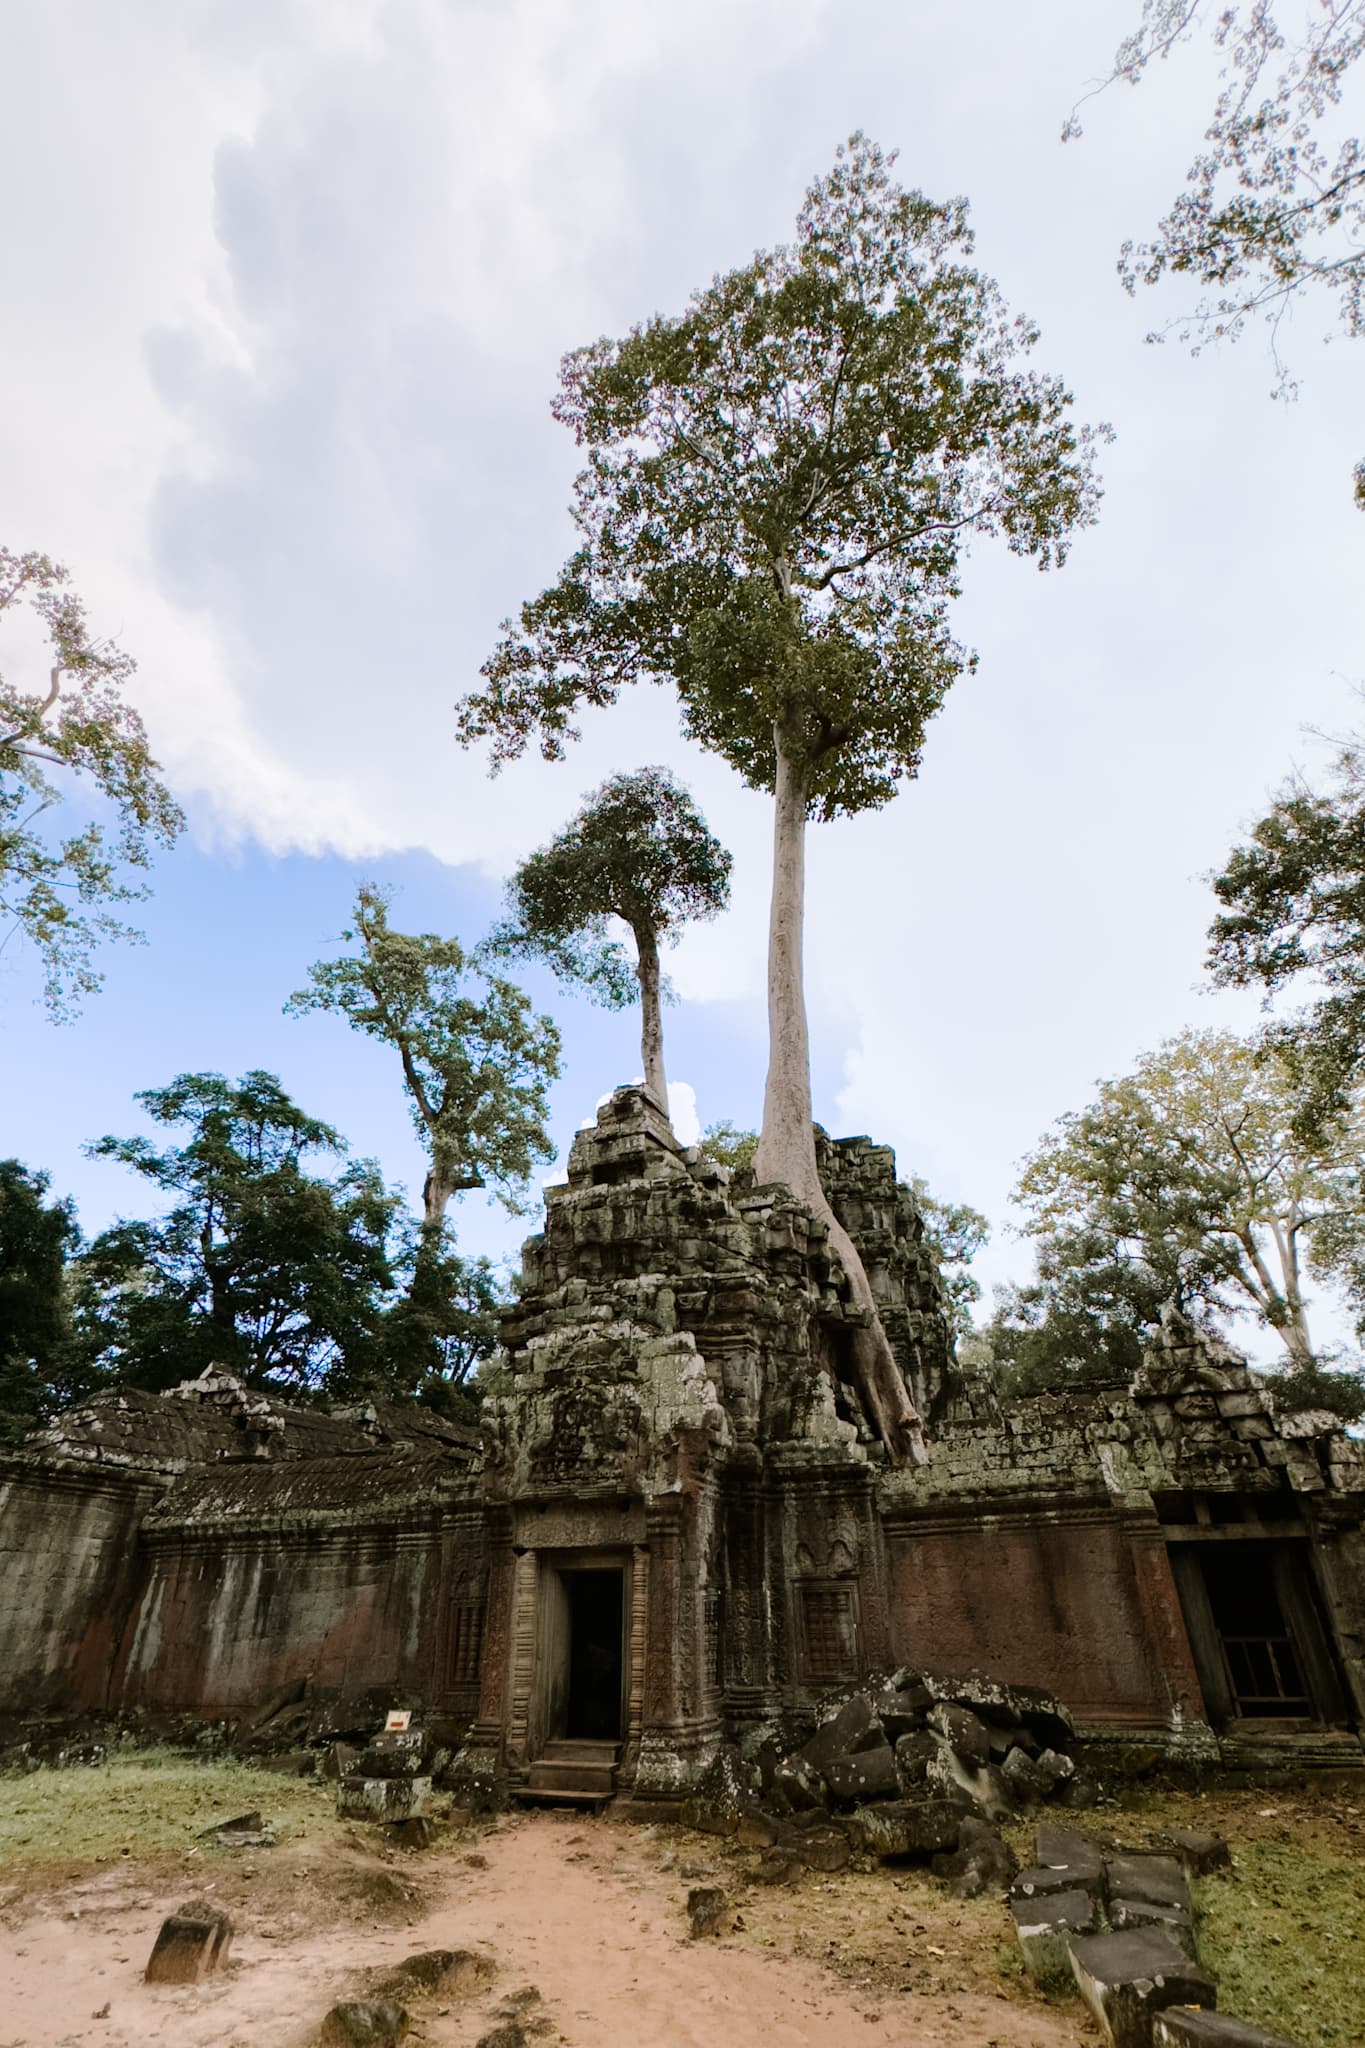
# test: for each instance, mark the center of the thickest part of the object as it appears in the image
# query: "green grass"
(1285, 1937)
(147, 1805)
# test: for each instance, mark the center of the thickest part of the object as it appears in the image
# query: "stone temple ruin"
(675, 1527)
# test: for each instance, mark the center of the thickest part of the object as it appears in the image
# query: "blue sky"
(283, 316)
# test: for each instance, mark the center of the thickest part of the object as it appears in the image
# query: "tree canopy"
(259, 1266)
(477, 1061)
(954, 1233)
(639, 854)
(1294, 911)
(1273, 209)
(37, 1239)
(1189, 1180)
(778, 486)
(68, 749)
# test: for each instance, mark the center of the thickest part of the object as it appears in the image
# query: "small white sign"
(400, 1719)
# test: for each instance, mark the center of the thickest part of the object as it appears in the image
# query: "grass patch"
(144, 1806)
(1284, 1938)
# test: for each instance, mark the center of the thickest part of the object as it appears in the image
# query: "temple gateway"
(674, 1526)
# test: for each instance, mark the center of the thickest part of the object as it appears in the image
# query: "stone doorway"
(1259, 1644)
(580, 1662)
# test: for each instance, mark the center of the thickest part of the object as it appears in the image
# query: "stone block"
(822, 1849)
(359, 2024)
(854, 1727)
(868, 1774)
(382, 1799)
(1026, 1783)
(964, 1732)
(908, 1827)
(1192, 2026)
(903, 1710)
(1126, 1979)
(982, 1862)
(913, 1754)
(710, 1911)
(1156, 1880)
(1066, 1849)
(192, 1943)
(799, 1783)
(756, 1831)
(1046, 1927)
(1199, 1852)
(1178, 1923)
(435, 1972)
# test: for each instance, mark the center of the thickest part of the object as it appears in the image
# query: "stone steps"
(573, 1773)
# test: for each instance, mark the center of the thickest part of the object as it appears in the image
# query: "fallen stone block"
(711, 1911)
(902, 1711)
(1026, 1783)
(756, 1831)
(982, 1862)
(854, 1727)
(1064, 1849)
(382, 1799)
(1191, 2026)
(724, 1792)
(867, 1774)
(1179, 1924)
(776, 1866)
(1198, 1852)
(797, 1781)
(364, 2024)
(979, 1786)
(822, 1849)
(1046, 1928)
(1040, 1712)
(965, 1734)
(410, 1834)
(908, 1827)
(193, 1942)
(913, 1756)
(1126, 1979)
(1157, 1880)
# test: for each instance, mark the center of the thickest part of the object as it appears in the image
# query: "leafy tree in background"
(477, 1065)
(259, 1265)
(62, 885)
(37, 1238)
(1294, 906)
(729, 1146)
(779, 485)
(638, 852)
(1190, 1180)
(954, 1233)
(1274, 205)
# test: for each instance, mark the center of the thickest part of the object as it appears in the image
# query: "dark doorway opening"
(1260, 1641)
(595, 1669)
(1264, 1674)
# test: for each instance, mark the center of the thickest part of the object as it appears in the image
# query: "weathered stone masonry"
(677, 1525)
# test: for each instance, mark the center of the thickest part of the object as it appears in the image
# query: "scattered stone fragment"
(1191, 2026)
(908, 1827)
(982, 1862)
(240, 1824)
(1063, 1849)
(902, 1710)
(724, 1792)
(507, 2034)
(382, 1799)
(756, 1831)
(410, 1834)
(1178, 1921)
(364, 2025)
(1199, 1852)
(868, 1774)
(1046, 1928)
(711, 1910)
(777, 1866)
(193, 1942)
(967, 1737)
(822, 1848)
(449, 1972)
(1126, 1979)
(1025, 1780)
(797, 1781)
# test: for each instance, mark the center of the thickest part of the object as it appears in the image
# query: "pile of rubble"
(910, 1766)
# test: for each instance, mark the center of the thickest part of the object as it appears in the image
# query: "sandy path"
(582, 1911)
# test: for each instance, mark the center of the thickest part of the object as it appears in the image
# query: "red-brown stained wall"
(1049, 1603)
(67, 1578)
(223, 1623)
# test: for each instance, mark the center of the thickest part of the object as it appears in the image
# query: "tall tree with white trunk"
(637, 854)
(778, 488)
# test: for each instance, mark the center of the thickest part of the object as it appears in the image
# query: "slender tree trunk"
(786, 1145)
(651, 1017)
(1283, 1308)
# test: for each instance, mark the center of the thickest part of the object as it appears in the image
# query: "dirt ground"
(588, 1913)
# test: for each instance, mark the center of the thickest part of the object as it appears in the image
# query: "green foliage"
(954, 1233)
(1294, 906)
(259, 1266)
(639, 852)
(442, 1328)
(62, 884)
(778, 485)
(1191, 1167)
(729, 1146)
(477, 1061)
(37, 1238)
(1273, 205)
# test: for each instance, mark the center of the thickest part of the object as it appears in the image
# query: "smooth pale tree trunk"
(651, 1017)
(786, 1145)
(1283, 1309)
